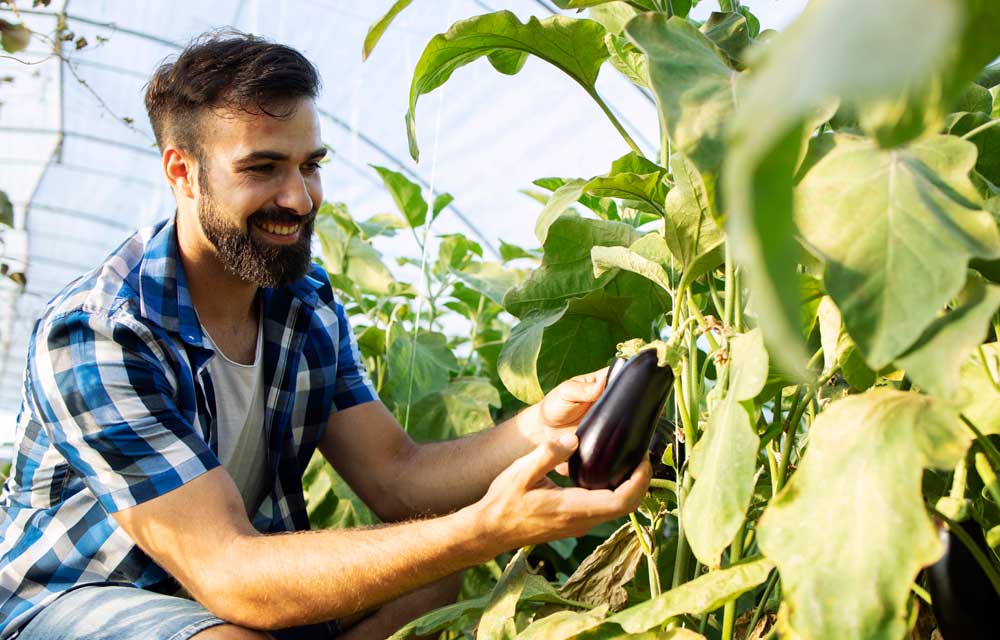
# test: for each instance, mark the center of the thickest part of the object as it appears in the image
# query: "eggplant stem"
(921, 593)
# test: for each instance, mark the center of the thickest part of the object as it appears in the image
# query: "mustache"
(278, 215)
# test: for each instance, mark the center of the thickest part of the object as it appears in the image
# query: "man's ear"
(180, 169)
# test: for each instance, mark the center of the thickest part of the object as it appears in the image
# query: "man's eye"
(312, 167)
(261, 168)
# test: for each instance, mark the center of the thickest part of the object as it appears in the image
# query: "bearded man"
(174, 395)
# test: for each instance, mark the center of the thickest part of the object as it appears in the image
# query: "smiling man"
(174, 395)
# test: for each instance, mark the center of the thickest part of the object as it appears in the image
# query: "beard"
(247, 256)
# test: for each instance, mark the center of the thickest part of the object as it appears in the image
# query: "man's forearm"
(452, 474)
(283, 580)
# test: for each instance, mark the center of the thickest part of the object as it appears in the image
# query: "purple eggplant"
(615, 434)
(964, 602)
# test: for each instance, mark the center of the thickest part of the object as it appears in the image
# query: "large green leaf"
(933, 362)
(690, 228)
(575, 46)
(883, 220)
(632, 259)
(406, 194)
(730, 31)
(417, 367)
(839, 349)
(851, 49)
(566, 270)
(705, 593)
(628, 59)
(353, 263)
(725, 459)
(551, 345)
(695, 88)
(461, 408)
(376, 30)
(850, 532)
(497, 622)
(488, 278)
(330, 502)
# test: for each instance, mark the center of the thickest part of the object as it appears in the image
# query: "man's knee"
(232, 632)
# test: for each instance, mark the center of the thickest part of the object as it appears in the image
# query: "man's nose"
(295, 195)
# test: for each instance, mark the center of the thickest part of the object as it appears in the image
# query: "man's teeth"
(279, 229)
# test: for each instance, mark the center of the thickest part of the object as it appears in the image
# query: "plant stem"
(921, 592)
(791, 430)
(680, 559)
(759, 611)
(701, 320)
(729, 610)
(988, 448)
(970, 544)
(738, 299)
(614, 121)
(727, 320)
(980, 129)
(988, 475)
(660, 483)
(714, 292)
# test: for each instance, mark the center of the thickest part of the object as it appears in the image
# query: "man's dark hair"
(225, 69)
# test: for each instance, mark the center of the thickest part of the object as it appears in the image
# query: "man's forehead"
(238, 133)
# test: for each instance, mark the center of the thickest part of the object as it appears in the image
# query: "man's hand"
(560, 411)
(523, 506)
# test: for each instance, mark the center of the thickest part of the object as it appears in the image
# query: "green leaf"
(560, 200)
(613, 16)
(6, 210)
(376, 30)
(839, 349)
(695, 88)
(865, 457)
(426, 361)
(627, 59)
(563, 624)
(705, 593)
(406, 194)
(690, 228)
(497, 621)
(510, 252)
(549, 346)
(725, 459)
(607, 258)
(933, 362)
(574, 46)
(372, 342)
(647, 189)
(14, 38)
(440, 202)
(455, 251)
(730, 31)
(330, 501)
(366, 269)
(974, 98)
(461, 408)
(987, 141)
(566, 270)
(601, 578)
(980, 388)
(381, 224)
(488, 278)
(882, 220)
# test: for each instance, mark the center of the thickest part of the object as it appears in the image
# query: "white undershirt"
(239, 411)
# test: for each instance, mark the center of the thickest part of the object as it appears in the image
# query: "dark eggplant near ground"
(663, 436)
(964, 601)
(615, 434)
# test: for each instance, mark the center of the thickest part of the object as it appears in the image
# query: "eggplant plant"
(818, 237)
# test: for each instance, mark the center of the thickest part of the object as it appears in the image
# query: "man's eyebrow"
(277, 156)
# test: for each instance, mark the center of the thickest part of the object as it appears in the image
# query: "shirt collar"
(163, 291)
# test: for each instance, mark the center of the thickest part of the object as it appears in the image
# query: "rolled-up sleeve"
(107, 406)
(353, 386)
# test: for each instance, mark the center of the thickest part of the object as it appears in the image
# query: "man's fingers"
(544, 458)
(563, 469)
(584, 388)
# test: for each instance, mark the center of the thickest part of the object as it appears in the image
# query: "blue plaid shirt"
(118, 408)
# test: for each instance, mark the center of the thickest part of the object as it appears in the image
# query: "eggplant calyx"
(668, 353)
